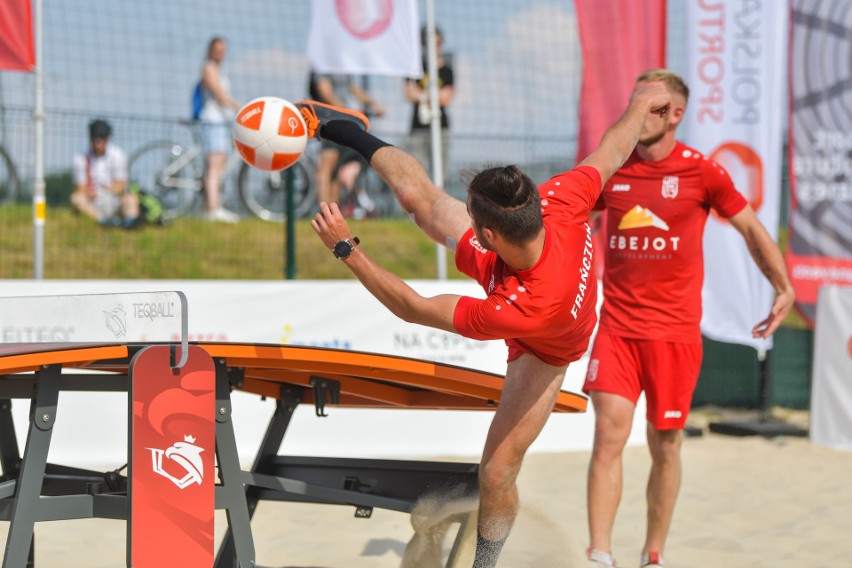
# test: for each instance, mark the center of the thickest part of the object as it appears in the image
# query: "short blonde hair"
(673, 81)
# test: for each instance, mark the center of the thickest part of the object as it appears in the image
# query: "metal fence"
(517, 68)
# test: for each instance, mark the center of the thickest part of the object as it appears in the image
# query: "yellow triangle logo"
(641, 217)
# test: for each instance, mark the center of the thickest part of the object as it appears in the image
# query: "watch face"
(342, 249)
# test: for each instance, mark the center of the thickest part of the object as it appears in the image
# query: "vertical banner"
(619, 39)
(363, 37)
(831, 389)
(735, 60)
(17, 51)
(820, 250)
(172, 445)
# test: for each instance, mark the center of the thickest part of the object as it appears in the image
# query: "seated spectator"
(100, 181)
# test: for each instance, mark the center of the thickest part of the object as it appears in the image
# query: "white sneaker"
(600, 559)
(222, 215)
(651, 560)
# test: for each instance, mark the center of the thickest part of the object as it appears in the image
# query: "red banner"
(810, 273)
(172, 475)
(620, 39)
(16, 35)
(820, 249)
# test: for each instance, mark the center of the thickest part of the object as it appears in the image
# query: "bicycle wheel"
(8, 178)
(265, 193)
(170, 172)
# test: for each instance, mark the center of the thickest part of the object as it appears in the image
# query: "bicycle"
(175, 175)
(8, 178)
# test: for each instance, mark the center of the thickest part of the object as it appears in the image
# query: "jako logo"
(365, 19)
(745, 167)
(672, 414)
(592, 371)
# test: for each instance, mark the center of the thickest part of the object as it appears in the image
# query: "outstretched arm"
(388, 288)
(620, 138)
(769, 260)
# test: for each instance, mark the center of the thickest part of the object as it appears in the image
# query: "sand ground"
(745, 502)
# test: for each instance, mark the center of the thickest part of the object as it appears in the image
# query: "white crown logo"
(186, 455)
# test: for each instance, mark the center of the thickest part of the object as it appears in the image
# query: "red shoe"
(652, 560)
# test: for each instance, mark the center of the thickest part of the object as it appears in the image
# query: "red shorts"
(666, 370)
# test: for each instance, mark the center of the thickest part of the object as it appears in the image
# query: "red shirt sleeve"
(462, 316)
(472, 259)
(574, 192)
(495, 317)
(724, 197)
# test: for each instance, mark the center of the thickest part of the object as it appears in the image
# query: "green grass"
(191, 248)
(76, 247)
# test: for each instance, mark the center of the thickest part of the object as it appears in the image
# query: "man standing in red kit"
(649, 337)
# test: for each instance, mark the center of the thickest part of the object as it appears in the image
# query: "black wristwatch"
(342, 249)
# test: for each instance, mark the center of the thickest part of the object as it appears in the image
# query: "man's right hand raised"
(655, 95)
(620, 139)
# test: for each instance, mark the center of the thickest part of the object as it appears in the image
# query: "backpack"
(197, 101)
(150, 207)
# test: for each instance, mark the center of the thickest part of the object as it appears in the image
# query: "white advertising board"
(91, 427)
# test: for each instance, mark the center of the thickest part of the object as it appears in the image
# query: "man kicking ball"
(530, 248)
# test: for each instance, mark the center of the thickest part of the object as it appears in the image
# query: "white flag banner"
(736, 61)
(365, 37)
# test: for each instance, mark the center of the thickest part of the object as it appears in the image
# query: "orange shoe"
(317, 114)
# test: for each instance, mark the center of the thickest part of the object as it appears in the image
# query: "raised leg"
(443, 218)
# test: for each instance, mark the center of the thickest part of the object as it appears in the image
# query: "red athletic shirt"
(654, 264)
(548, 310)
